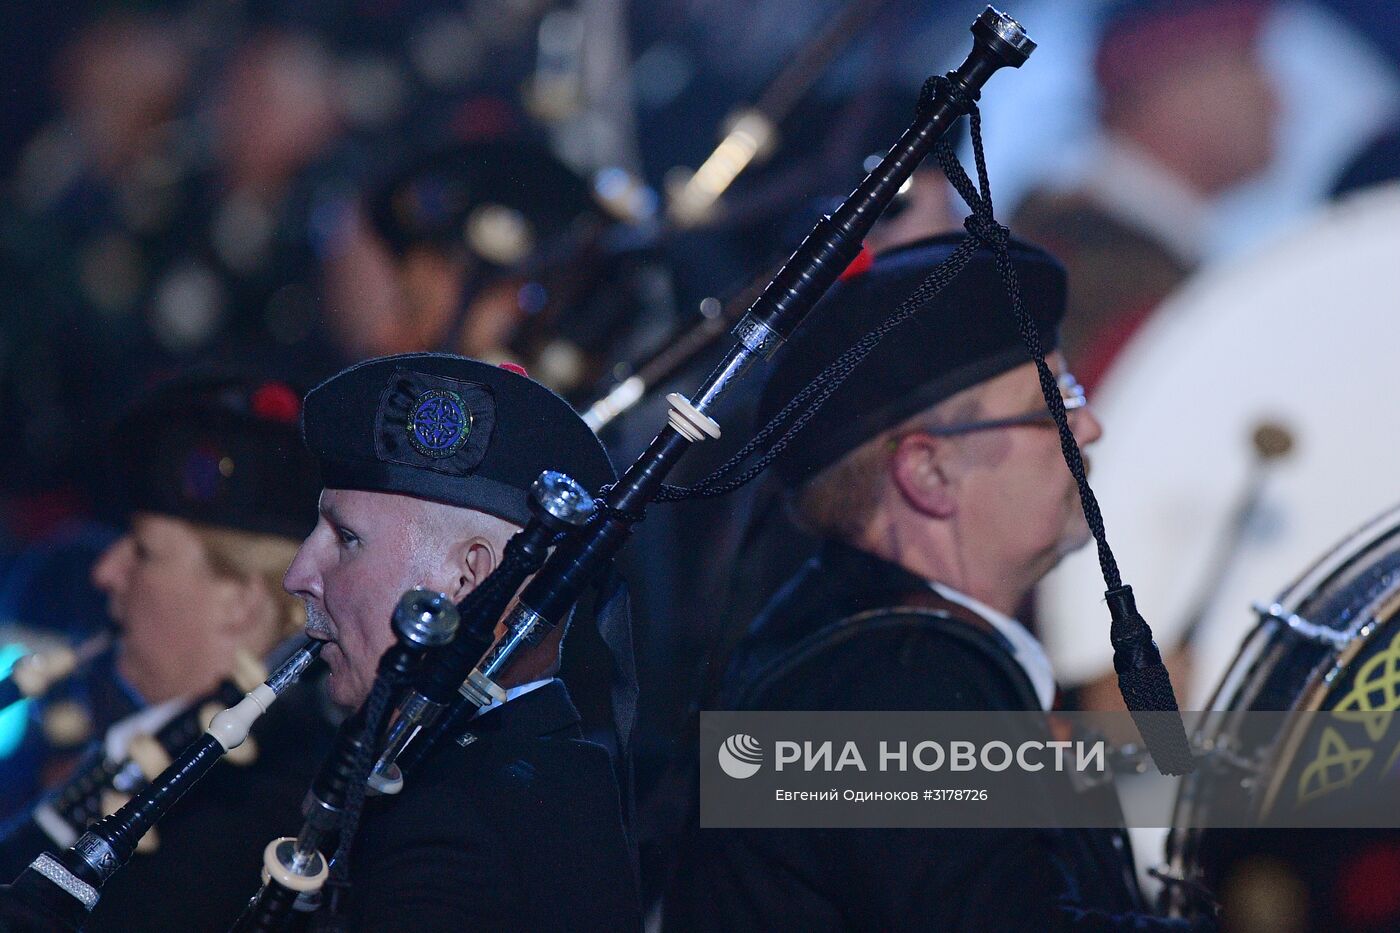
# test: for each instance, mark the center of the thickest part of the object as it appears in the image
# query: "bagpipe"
(454, 683)
(56, 892)
(294, 869)
(106, 778)
(446, 660)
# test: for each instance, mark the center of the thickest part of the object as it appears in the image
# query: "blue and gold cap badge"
(439, 423)
(434, 422)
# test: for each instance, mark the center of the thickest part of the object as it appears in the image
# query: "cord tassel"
(1146, 686)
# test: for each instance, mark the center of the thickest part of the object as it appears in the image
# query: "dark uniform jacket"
(209, 853)
(518, 829)
(836, 639)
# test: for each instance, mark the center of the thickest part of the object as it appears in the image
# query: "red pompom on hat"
(276, 401)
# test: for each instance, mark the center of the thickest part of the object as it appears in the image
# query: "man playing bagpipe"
(516, 821)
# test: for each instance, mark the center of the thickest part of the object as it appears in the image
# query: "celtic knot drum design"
(439, 423)
(1336, 749)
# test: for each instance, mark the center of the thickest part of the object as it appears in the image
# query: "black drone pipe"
(65, 888)
(998, 42)
(57, 893)
(295, 870)
(558, 505)
(682, 348)
(294, 865)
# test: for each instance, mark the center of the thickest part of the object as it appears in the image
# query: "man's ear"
(919, 470)
(473, 559)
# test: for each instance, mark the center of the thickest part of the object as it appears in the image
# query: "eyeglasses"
(1071, 392)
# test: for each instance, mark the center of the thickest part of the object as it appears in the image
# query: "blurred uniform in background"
(145, 233)
(494, 249)
(1187, 112)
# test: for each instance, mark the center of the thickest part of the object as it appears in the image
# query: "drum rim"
(1346, 550)
(1224, 701)
(1315, 693)
(1183, 842)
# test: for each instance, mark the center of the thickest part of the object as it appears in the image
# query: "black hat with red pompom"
(450, 429)
(219, 449)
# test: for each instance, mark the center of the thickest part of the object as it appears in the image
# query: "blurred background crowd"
(293, 185)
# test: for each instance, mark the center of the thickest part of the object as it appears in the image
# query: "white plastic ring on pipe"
(689, 421)
(275, 870)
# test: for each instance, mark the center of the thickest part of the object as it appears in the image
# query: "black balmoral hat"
(215, 448)
(965, 335)
(450, 429)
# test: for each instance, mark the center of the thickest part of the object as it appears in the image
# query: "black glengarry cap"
(501, 199)
(217, 448)
(966, 335)
(450, 429)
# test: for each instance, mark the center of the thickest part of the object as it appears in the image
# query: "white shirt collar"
(1130, 184)
(513, 693)
(1025, 649)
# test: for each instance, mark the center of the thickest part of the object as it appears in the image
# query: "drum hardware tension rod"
(1310, 631)
(1220, 751)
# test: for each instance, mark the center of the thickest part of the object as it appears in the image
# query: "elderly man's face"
(1014, 488)
(365, 551)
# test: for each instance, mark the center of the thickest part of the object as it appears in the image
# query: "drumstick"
(1269, 442)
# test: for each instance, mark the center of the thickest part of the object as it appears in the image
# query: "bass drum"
(1331, 642)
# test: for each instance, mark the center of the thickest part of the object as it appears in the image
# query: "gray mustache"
(318, 623)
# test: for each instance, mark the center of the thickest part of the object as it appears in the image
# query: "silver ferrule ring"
(98, 854)
(756, 336)
(426, 618)
(1008, 30)
(563, 497)
(75, 887)
(292, 668)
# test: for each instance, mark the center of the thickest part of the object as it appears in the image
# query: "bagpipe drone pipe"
(56, 892)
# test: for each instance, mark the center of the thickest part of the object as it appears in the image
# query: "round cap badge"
(439, 423)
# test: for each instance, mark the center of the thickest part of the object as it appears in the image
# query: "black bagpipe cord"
(1142, 677)
(332, 915)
